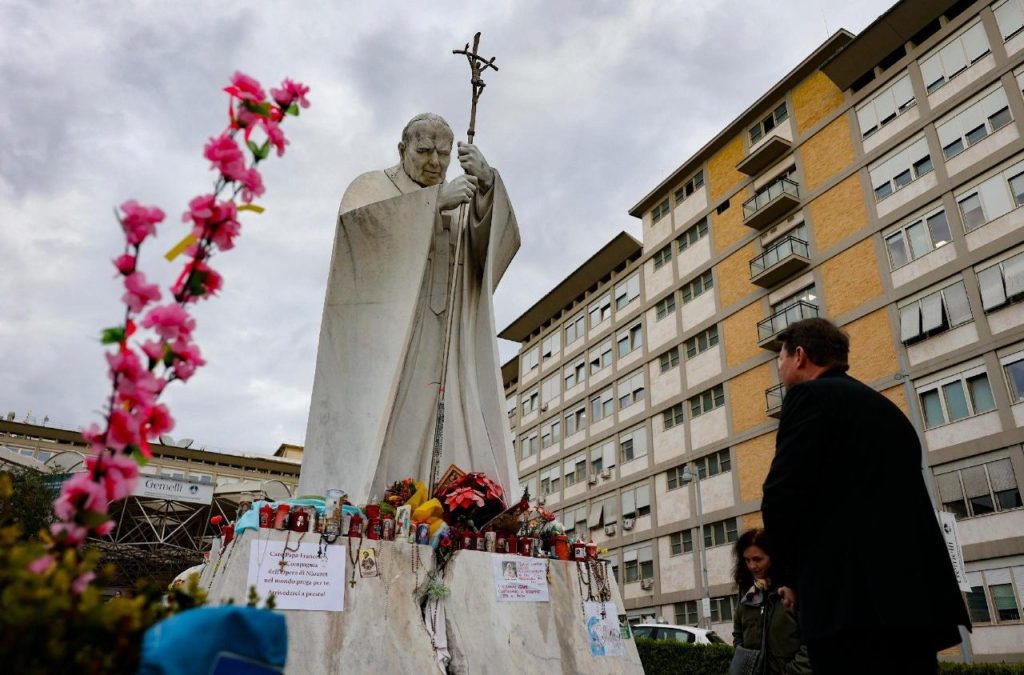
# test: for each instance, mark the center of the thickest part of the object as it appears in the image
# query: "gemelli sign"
(173, 489)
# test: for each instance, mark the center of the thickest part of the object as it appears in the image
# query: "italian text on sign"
(305, 581)
(519, 579)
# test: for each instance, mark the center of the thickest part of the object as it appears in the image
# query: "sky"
(594, 104)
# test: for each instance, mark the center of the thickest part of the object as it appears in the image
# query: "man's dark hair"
(824, 343)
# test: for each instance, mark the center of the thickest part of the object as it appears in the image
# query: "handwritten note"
(305, 581)
(519, 579)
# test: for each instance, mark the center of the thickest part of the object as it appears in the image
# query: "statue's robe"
(374, 404)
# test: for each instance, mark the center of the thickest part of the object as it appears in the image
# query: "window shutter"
(931, 312)
(957, 308)
(643, 496)
(949, 487)
(1000, 473)
(975, 482)
(629, 556)
(1013, 272)
(628, 503)
(594, 519)
(910, 322)
(991, 282)
(609, 455)
(975, 42)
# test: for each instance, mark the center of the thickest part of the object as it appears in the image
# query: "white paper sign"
(519, 579)
(603, 632)
(956, 555)
(306, 581)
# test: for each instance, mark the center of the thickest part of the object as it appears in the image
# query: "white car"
(665, 631)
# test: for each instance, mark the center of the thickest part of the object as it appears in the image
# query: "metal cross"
(477, 64)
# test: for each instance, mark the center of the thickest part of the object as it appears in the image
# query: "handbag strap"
(767, 607)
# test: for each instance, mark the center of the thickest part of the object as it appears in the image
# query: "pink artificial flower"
(187, 359)
(70, 533)
(79, 585)
(214, 220)
(124, 429)
(199, 209)
(225, 155)
(125, 264)
(171, 322)
(290, 92)
(118, 473)
(252, 183)
(80, 493)
(95, 437)
(139, 221)
(159, 421)
(138, 293)
(154, 349)
(245, 88)
(275, 136)
(141, 393)
(125, 365)
(41, 564)
(104, 528)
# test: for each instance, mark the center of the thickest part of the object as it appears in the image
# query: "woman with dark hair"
(761, 622)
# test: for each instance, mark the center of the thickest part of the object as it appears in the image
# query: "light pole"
(688, 477)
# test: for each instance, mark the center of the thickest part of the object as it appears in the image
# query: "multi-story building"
(878, 184)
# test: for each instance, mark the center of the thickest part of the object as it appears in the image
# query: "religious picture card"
(604, 634)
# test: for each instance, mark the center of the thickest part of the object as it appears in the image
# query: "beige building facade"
(878, 184)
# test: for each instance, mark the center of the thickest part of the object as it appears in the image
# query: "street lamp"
(688, 477)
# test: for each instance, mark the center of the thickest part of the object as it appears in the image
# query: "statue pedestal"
(382, 629)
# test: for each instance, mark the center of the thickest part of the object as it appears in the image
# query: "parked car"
(665, 631)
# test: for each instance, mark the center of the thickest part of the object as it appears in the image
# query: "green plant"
(662, 657)
(32, 504)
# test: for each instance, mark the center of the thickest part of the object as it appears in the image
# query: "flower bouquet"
(399, 492)
(472, 498)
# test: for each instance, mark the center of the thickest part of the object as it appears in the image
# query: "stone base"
(382, 628)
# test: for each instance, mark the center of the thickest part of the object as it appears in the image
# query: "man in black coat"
(857, 539)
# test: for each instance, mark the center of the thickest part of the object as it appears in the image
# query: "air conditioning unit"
(606, 474)
(609, 530)
(627, 523)
(543, 407)
(592, 480)
(647, 584)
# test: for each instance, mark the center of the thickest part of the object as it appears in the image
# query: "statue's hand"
(458, 191)
(474, 164)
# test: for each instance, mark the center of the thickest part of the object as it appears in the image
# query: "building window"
(627, 291)
(638, 564)
(935, 313)
(702, 342)
(672, 417)
(977, 490)
(917, 238)
(1005, 602)
(600, 356)
(1013, 366)
(692, 234)
(530, 360)
(630, 389)
(722, 608)
(550, 433)
(1002, 283)
(575, 520)
(636, 501)
(953, 399)
(574, 329)
(669, 359)
(602, 405)
(992, 598)
(574, 373)
(600, 310)
(633, 444)
(686, 613)
(680, 542)
(602, 457)
(954, 57)
(707, 401)
(630, 340)
(550, 481)
(551, 345)
(528, 445)
(690, 186)
(1010, 17)
(885, 106)
(973, 122)
(549, 389)
(662, 257)
(576, 420)
(665, 307)
(530, 401)
(575, 471)
(900, 168)
(674, 477)
(698, 286)
(993, 198)
(720, 533)
(510, 405)
(713, 464)
(659, 212)
(977, 605)
(776, 117)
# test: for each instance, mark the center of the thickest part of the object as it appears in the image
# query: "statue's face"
(426, 157)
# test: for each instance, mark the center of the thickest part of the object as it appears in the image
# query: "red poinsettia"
(463, 498)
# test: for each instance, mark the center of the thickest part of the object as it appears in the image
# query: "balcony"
(773, 400)
(780, 261)
(764, 155)
(769, 329)
(767, 206)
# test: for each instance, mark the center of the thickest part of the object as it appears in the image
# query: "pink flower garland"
(140, 372)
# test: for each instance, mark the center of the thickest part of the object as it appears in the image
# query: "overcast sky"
(595, 104)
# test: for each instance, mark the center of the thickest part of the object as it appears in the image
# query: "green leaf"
(196, 287)
(137, 455)
(293, 109)
(264, 150)
(262, 109)
(112, 336)
(255, 149)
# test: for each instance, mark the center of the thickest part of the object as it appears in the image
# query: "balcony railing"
(767, 152)
(768, 329)
(773, 400)
(780, 261)
(771, 204)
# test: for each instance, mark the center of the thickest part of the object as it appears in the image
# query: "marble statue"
(374, 403)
